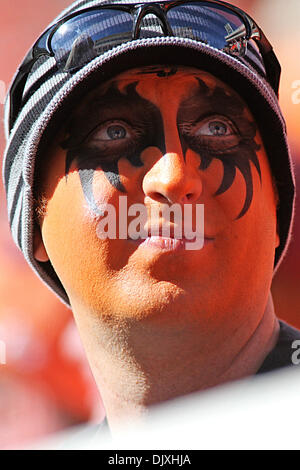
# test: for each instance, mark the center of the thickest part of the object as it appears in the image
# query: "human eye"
(214, 126)
(114, 139)
(216, 134)
(111, 132)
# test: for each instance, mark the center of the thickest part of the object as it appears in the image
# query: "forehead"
(160, 76)
(166, 87)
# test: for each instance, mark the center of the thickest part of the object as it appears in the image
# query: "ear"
(39, 250)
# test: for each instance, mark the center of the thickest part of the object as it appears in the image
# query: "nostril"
(189, 197)
(172, 183)
(160, 197)
(157, 196)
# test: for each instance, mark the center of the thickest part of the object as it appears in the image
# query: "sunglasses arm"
(272, 65)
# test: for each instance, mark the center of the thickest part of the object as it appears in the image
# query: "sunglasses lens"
(84, 37)
(214, 25)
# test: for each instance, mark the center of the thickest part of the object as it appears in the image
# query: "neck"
(138, 365)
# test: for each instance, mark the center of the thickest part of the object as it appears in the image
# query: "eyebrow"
(112, 104)
(207, 100)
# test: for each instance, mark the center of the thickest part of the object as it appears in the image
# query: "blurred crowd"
(46, 384)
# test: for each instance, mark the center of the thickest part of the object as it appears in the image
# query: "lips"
(165, 231)
(170, 238)
(168, 244)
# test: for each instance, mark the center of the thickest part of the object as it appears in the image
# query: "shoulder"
(288, 332)
(283, 354)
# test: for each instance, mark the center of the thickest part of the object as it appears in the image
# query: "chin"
(147, 298)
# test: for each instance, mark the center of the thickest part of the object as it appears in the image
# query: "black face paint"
(235, 151)
(166, 73)
(186, 114)
(139, 113)
(159, 71)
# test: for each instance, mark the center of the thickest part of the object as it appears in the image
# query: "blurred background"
(46, 384)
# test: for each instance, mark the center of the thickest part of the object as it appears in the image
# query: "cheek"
(266, 204)
(232, 200)
(253, 237)
(224, 207)
(70, 236)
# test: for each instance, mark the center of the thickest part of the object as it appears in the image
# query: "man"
(160, 104)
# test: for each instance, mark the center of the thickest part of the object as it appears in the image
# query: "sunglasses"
(78, 38)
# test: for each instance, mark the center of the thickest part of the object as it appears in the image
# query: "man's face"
(161, 136)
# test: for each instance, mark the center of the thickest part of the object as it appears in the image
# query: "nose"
(172, 180)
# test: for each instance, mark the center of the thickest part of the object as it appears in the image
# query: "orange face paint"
(161, 136)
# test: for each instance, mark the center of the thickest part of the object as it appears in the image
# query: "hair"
(40, 208)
